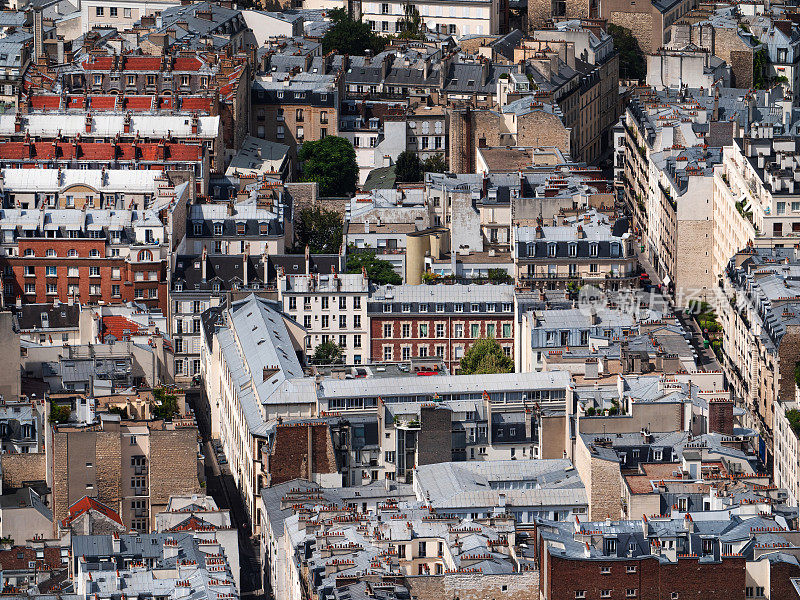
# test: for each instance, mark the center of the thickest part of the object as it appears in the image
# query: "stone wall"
(23, 467)
(642, 25)
(603, 482)
(513, 586)
(435, 444)
(173, 464)
(108, 460)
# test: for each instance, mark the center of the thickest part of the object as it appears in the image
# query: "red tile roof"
(143, 63)
(102, 102)
(50, 102)
(138, 102)
(193, 524)
(75, 101)
(86, 504)
(198, 103)
(99, 152)
(99, 63)
(18, 558)
(186, 63)
(117, 326)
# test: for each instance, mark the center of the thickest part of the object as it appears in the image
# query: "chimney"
(126, 124)
(265, 265)
(231, 209)
(203, 258)
(38, 36)
(88, 122)
(308, 261)
(195, 123)
(18, 123)
(245, 255)
(593, 317)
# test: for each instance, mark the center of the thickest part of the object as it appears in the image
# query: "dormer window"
(593, 249)
(215, 287)
(240, 228)
(50, 252)
(551, 250)
(179, 287)
(263, 228)
(573, 250)
(217, 228)
(198, 228)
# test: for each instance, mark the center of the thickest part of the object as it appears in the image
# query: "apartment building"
(237, 228)
(131, 467)
(97, 118)
(786, 453)
(585, 249)
(101, 565)
(331, 308)
(252, 375)
(377, 131)
(171, 82)
(90, 255)
(756, 193)
(717, 551)
(120, 15)
(681, 220)
(21, 426)
(291, 109)
(457, 18)
(761, 331)
(438, 321)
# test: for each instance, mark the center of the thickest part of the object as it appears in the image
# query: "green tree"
(632, 63)
(59, 413)
(411, 25)
(435, 163)
(166, 405)
(327, 353)
(486, 356)
(378, 271)
(760, 59)
(408, 168)
(348, 36)
(498, 276)
(318, 228)
(331, 162)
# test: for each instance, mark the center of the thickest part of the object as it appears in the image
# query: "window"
(98, 11)
(342, 302)
(115, 291)
(94, 271)
(72, 272)
(325, 321)
(506, 330)
(94, 253)
(423, 330)
(325, 303)
(300, 133)
(357, 303)
(30, 288)
(440, 307)
(605, 593)
(458, 330)
(387, 353)
(674, 596)
(113, 11)
(299, 115)
(292, 303)
(405, 330)
(52, 288)
(387, 330)
(387, 308)
(307, 321)
(356, 321)
(29, 252)
(490, 330)
(593, 249)
(580, 594)
(280, 134)
(605, 570)
(440, 330)
(458, 307)
(126, 13)
(474, 330)
(357, 341)
(630, 593)
(51, 271)
(630, 569)
(30, 271)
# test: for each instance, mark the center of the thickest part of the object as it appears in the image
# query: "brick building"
(668, 557)
(442, 321)
(91, 255)
(131, 467)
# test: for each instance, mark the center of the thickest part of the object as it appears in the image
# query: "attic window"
(240, 228)
(471, 82)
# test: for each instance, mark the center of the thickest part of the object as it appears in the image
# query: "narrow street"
(706, 359)
(221, 486)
